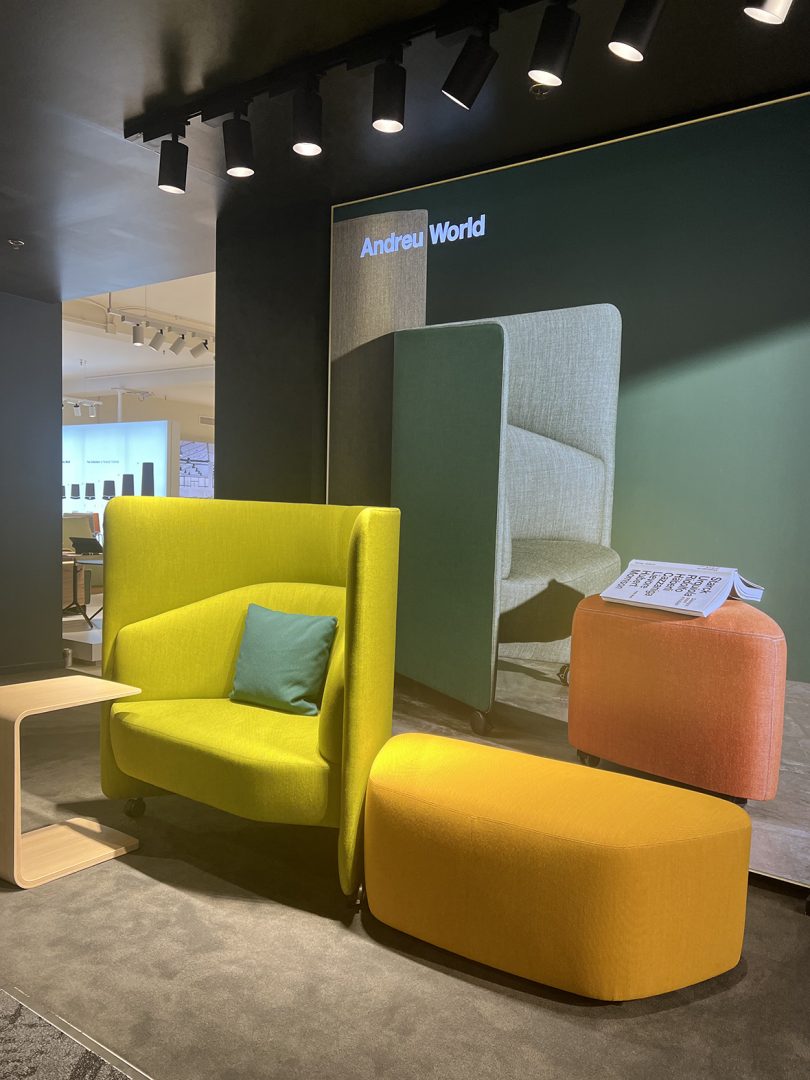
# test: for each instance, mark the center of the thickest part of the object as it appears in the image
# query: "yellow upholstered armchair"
(180, 574)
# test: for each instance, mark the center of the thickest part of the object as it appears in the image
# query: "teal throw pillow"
(283, 660)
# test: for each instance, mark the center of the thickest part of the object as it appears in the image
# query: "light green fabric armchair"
(180, 575)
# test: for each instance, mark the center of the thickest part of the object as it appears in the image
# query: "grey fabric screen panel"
(448, 392)
(371, 296)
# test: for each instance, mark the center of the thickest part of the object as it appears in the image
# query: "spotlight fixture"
(769, 11)
(178, 344)
(90, 491)
(137, 334)
(77, 411)
(558, 31)
(634, 29)
(238, 146)
(173, 166)
(307, 121)
(388, 104)
(93, 412)
(157, 341)
(470, 71)
(200, 349)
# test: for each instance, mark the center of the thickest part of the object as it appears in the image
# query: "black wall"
(30, 477)
(272, 304)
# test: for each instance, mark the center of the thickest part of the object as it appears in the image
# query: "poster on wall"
(100, 461)
(557, 367)
(196, 469)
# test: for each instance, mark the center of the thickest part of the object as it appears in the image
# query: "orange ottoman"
(698, 700)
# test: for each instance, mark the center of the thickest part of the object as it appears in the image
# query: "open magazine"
(693, 590)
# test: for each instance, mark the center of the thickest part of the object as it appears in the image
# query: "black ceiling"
(86, 203)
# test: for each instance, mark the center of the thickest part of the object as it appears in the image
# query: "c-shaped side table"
(33, 858)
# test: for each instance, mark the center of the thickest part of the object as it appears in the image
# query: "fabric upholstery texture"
(283, 659)
(554, 490)
(696, 700)
(503, 432)
(180, 576)
(596, 883)
(246, 759)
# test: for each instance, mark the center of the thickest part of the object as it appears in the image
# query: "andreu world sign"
(443, 232)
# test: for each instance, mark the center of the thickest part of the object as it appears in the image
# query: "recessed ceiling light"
(16, 245)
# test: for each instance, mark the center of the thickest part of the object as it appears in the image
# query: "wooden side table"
(33, 858)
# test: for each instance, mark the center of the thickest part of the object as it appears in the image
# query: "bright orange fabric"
(597, 883)
(696, 700)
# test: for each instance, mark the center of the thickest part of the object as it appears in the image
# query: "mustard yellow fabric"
(179, 576)
(596, 883)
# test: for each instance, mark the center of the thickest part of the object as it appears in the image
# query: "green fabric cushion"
(283, 660)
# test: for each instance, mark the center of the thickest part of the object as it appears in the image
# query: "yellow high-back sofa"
(180, 574)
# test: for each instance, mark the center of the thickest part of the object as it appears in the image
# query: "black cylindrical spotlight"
(307, 122)
(558, 32)
(238, 147)
(470, 71)
(388, 104)
(173, 166)
(635, 29)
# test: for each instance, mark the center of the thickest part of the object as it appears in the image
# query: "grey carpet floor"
(33, 1049)
(223, 950)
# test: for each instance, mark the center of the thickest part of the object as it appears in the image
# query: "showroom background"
(699, 235)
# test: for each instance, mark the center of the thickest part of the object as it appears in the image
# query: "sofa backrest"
(164, 553)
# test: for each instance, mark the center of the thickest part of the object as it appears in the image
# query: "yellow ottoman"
(596, 883)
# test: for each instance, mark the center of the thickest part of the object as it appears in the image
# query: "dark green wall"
(701, 237)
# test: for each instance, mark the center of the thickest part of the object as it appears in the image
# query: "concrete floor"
(224, 950)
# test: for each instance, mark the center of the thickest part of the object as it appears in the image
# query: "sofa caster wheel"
(563, 674)
(135, 808)
(480, 722)
(590, 760)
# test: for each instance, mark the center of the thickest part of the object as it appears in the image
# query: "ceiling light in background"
(173, 166)
(77, 411)
(388, 104)
(178, 344)
(558, 32)
(200, 349)
(93, 412)
(769, 11)
(157, 341)
(238, 147)
(470, 71)
(137, 334)
(307, 121)
(634, 29)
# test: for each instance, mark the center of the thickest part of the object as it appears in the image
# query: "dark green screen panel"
(444, 477)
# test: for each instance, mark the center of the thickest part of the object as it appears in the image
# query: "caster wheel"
(480, 722)
(563, 674)
(590, 760)
(135, 808)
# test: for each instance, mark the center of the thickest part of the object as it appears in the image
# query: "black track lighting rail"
(215, 106)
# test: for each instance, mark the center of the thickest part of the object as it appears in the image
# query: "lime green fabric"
(180, 575)
(245, 759)
(283, 659)
(191, 652)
